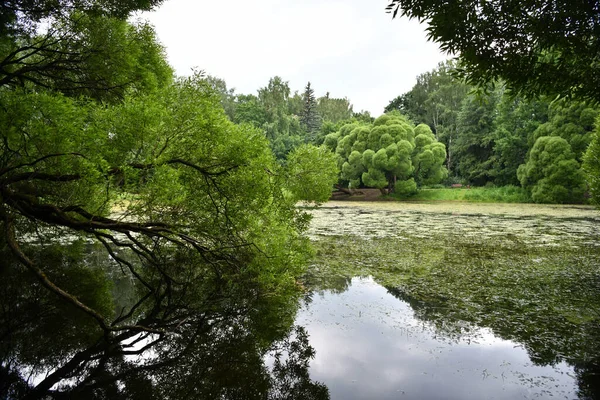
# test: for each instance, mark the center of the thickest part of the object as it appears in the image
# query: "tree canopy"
(489, 134)
(552, 173)
(535, 47)
(390, 154)
(82, 52)
(141, 230)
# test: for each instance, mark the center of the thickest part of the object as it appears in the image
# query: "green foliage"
(405, 188)
(223, 225)
(363, 116)
(334, 110)
(490, 133)
(91, 55)
(310, 118)
(552, 173)
(591, 165)
(473, 149)
(270, 111)
(429, 157)
(282, 130)
(21, 13)
(538, 48)
(311, 173)
(516, 121)
(435, 100)
(199, 240)
(402, 104)
(287, 120)
(573, 121)
(248, 109)
(504, 194)
(228, 99)
(388, 153)
(296, 104)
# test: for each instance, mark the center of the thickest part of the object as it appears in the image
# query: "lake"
(454, 300)
(399, 301)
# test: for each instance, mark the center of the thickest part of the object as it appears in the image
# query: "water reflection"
(371, 344)
(51, 350)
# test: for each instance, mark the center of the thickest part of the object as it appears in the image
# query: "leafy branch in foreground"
(137, 230)
(536, 47)
(185, 239)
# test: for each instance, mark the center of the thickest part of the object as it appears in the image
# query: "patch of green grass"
(504, 194)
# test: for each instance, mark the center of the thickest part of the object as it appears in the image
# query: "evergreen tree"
(310, 119)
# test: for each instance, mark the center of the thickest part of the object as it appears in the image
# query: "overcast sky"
(349, 48)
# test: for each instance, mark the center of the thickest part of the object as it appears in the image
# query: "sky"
(349, 48)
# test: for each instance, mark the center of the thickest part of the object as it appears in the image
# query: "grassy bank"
(505, 194)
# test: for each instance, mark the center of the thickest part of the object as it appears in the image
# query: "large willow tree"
(391, 154)
(143, 235)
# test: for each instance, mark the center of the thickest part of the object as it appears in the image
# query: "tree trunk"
(344, 190)
(449, 154)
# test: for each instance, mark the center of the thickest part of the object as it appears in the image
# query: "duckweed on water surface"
(531, 275)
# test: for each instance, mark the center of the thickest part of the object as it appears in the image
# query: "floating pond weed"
(529, 274)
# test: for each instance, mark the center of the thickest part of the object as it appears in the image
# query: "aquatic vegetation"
(530, 276)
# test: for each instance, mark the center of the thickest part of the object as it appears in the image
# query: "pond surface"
(531, 223)
(369, 344)
(454, 301)
(401, 301)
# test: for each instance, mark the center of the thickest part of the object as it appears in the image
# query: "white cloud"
(348, 48)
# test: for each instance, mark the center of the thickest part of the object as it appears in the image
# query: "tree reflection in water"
(218, 348)
(548, 342)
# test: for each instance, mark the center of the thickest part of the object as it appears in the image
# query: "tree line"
(476, 136)
(497, 137)
(288, 119)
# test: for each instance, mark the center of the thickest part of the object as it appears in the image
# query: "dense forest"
(495, 137)
(444, 132)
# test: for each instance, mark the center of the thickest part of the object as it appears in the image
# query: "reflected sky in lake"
(369, 346)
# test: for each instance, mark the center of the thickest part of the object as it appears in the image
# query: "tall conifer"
(310, 119)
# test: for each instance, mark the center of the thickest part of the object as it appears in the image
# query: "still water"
(369, 345)
(454, 301)
(402, 301)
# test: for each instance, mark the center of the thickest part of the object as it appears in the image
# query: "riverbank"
(505, 194)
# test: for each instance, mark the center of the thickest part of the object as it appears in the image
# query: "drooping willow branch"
(37, 161)
(104, 229)
(43, 278)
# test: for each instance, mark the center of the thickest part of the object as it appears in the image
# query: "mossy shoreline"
(504, 194)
